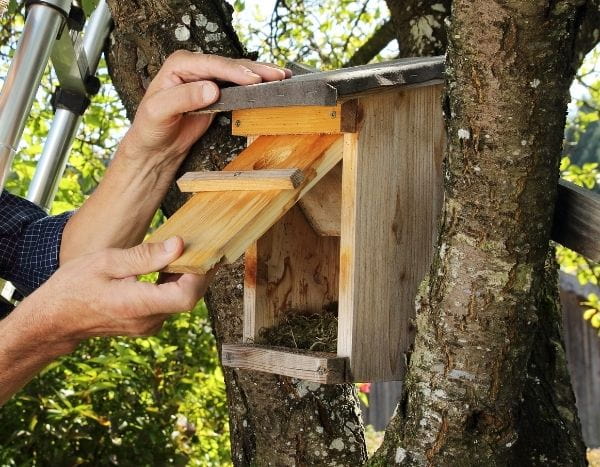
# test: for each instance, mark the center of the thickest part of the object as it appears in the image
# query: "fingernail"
(171, 244)
(209, 92)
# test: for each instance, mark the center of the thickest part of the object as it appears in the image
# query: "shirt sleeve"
(29, 242)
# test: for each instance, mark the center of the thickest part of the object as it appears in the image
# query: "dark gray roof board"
(329, 87)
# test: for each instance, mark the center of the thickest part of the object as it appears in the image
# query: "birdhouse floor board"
(577, 220)
(219, 226)
(249, 180)
(296, 120)
(320, 367)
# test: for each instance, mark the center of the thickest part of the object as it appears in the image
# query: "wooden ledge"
(241, 180)
(319, 367)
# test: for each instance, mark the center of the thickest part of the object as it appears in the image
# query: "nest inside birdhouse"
(304, 330)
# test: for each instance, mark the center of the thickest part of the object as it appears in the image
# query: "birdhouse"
(334, 203)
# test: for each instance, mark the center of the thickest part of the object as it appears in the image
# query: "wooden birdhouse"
(334, 203)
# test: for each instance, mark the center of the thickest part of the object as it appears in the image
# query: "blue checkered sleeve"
(29, 242)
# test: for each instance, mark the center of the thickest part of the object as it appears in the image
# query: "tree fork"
(273, 420)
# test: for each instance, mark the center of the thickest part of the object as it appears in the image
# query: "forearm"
(121, 208)
(25, 350)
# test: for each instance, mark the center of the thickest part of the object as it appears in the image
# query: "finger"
(172, 102)
(268, 71)
(142, 259)
(172, 297)
(185, 67)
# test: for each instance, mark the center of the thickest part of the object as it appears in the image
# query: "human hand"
(162, 130)
(98, 294)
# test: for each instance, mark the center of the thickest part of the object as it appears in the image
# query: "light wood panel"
(322, 205)
(391, 198)
(290, 268)
(249, 180)
(295, 120)
(577, 220)
(219, 226)
(320, 367)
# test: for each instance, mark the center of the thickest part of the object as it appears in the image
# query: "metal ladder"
(53, 29)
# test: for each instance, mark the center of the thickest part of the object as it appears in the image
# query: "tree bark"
(419, 26)
(273, 420)
(487, 382)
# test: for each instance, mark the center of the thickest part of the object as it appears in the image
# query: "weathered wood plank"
(329, 87)
(577, 220)
(322, 205)
(320, 367)
(388, 229)
(219, 226)
(295, 120)
(248, 180)
(289, 269)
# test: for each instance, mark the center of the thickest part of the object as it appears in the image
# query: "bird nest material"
(304, 330)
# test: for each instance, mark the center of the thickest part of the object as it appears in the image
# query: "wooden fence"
(583, 353)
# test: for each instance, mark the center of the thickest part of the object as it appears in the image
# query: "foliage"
(307, 32)
(153, 401)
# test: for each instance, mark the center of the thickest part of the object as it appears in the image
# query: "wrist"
(135, 155)
(30, 332)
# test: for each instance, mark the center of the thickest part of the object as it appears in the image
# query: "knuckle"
(147, 111)
(189, 301)
(139, 255)
(177, 55)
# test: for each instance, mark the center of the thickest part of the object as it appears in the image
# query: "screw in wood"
(238, 123)
(333, 114)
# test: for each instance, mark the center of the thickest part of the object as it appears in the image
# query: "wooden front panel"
(391, 198)
(290, 268)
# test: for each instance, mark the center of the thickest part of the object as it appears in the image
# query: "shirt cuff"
(40, 251)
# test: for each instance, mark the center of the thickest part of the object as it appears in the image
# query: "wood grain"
(320, 367)
(322, 205)
(290, 268)
(293, 120)
(391, 198)
(577, 220)
(219, 226)
(249, 180)
(330, 87)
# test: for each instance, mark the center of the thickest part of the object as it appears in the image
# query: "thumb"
(144, 258)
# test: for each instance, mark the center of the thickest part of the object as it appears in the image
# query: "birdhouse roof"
(327, 88)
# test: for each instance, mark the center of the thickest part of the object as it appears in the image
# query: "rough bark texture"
(420, 26)
(273, 420)
(487, 383)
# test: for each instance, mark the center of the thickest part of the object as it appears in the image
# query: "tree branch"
(373, 46)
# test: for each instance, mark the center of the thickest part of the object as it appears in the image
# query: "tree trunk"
(487, 382)
(273, 420)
